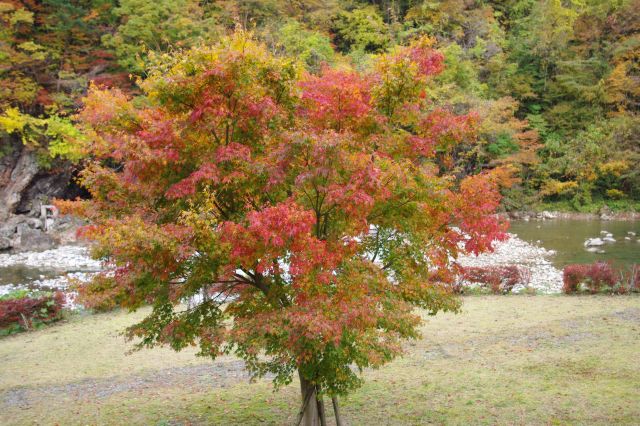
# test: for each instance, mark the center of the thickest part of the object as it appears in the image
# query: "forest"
(555, 84)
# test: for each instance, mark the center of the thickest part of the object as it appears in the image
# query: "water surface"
(567, 237)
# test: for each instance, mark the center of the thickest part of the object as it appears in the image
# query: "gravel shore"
(545, 278)
(66, 258)
(61, 265)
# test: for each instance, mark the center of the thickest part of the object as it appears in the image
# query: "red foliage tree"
(301, 207)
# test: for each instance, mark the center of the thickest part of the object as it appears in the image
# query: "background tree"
(307, 215)
(311, 47)
(158, 26)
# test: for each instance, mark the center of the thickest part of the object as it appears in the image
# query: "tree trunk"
(321, 413)
(310, 416)
(336, 410)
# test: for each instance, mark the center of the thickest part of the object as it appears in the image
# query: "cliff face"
(24, 188)
(18, 168)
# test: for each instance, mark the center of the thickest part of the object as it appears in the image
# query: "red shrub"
(27, 311)
(500, 279)
(595, 277)
(572, 276)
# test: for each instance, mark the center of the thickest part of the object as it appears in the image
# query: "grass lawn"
(504, 360)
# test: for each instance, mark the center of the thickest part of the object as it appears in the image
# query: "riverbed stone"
(35, 240)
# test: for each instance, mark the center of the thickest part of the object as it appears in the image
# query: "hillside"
(555, 84)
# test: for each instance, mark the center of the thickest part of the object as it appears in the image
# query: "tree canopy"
(308, 215)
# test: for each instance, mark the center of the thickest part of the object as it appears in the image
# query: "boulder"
(605, 213)
(35, 240)
(25, 186)
(594, 242)
(548, 215)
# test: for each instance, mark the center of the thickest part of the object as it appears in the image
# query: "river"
(567, 237)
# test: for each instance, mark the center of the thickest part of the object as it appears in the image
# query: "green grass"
(503, 360)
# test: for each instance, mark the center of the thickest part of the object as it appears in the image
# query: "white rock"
(592, 242)
(631, 233)
(65, 258)
(548, 215)
(609, 239)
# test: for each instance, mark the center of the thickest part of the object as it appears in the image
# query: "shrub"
(21, 310)
(572, 276)
(498, 279)
(629, 280)
(616, 194)
(598, 277)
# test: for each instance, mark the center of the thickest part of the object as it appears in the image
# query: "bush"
(629, 280)
(498, 279)
(572, 276)
(600, 277)
(21, 310)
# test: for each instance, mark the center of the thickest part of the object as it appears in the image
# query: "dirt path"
(196, 378)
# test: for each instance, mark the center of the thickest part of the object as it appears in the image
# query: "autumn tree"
(304, 216)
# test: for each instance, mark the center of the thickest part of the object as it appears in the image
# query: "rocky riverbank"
(603, 214)
(71, 262)
(53, 269)
(544, 277)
